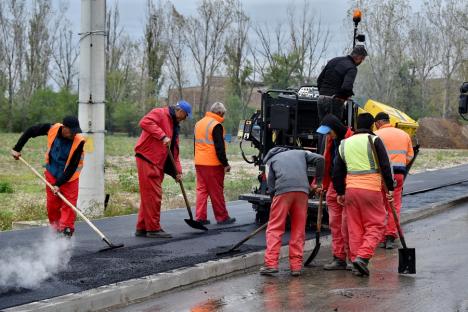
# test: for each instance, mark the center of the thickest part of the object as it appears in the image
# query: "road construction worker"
(358, 184)
(63, 164)
(211, 165)
(160, 131)
(335, 82)
(288, 183)
(335, 132)
(400, 152)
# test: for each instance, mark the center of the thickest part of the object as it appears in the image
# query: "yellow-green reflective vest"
(356, 152)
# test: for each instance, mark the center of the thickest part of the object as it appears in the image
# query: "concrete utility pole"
(91, 109)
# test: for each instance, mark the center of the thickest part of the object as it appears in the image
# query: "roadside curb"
(122, 293)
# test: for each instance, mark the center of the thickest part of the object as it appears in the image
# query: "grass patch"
(5, 187)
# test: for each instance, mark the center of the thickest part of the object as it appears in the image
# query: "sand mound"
(442, 133)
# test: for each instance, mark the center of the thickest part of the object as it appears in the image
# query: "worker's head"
(381, 119)
(358, 54)
(365, 121)
(183, 110)
(71, 126)
(218, 108)
(333, 126)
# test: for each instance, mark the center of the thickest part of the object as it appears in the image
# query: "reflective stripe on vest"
(356, 152)
(398, 145)
(205, 152)
(51, 135)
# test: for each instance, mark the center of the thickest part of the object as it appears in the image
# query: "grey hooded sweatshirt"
(287, 170)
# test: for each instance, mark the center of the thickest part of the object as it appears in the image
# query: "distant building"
(218, 93)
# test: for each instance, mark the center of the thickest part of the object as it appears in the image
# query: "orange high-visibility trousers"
(294, 204)
(210, 182)
(60, 214)
(391, 229)
(338, 225)
(365, 214)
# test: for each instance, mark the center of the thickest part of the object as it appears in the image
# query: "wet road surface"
(142, 256)
(441, 283)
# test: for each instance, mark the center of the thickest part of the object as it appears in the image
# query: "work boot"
(356, 272)
(349, 267)
(67, 232)
(140, 233)
(229, 220)
(390, 242)
(204, 222)
(158, 234)
(296, 273)
(361, 264)
(336, 264)
(264, 270)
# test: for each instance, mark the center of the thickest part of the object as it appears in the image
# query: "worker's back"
(331, 79)
(399, 146)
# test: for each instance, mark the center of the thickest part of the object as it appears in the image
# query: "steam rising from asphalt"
(28, 266)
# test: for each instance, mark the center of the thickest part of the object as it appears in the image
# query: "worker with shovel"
(288, 183)
(400, 151)
(358, 184)
(160, 130)
(335, 132)
(63, 163)
(211, 165)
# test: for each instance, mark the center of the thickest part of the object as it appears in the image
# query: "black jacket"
(43, 129)
(340, 169)
(337, 78)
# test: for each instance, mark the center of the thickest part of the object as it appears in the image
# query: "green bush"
(6, 218)
(5, 187)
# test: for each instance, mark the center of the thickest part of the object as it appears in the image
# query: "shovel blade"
(112, 247)
(407, 261)
(195, 224)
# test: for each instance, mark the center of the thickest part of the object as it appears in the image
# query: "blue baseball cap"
(323, 129)
(186, 107)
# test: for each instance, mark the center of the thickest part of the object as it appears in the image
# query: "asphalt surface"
(439, 285)
(140, 257)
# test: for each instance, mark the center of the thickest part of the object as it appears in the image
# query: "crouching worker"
(287, 181)
(358, 184)
(63, 163)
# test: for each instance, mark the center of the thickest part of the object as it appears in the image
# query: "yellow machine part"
(397, 118)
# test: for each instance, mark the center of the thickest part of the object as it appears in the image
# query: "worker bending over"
(288, 182)
(211, 165)
(400, 151)
(160, 130)
(358, 184)
(335, 132)
(63, 164)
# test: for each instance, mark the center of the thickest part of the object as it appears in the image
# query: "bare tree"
(11, 49)
(176, 50)
(205, 36)
(451, 39)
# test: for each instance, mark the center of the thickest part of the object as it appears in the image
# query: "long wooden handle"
(394, 213)
(78, 211)
(320, 213)
(250, 236)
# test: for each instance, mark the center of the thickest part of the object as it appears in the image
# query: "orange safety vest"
(205, 152)
(51, 135)
(398, 144)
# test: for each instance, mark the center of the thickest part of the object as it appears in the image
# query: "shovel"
(233, 248)
(317, 232)
(103, 237)
(191, 222)
(406, 256)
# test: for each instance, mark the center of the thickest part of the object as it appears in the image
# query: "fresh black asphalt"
(140, 257)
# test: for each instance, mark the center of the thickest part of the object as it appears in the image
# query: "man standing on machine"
(335, 82)
(63, 164)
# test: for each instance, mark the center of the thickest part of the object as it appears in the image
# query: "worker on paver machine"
(400, 151)
(288, 183)
(160, 130)
(63, 164)
(211, 165)
(358, 184)
(335, 132)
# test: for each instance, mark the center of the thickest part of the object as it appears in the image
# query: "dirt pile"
(442, 133)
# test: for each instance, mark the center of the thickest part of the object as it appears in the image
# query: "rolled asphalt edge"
(125, 292)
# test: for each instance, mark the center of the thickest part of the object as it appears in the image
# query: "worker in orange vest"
(211, 165)
(400, 152)
(63, 163)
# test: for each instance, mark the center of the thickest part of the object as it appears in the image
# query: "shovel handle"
(320, 213)
(395, 216)
(78, 211)
(182, 188)
(249, 236)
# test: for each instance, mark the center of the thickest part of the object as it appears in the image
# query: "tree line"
(416, 57)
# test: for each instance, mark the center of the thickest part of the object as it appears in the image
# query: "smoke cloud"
(28, 267)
